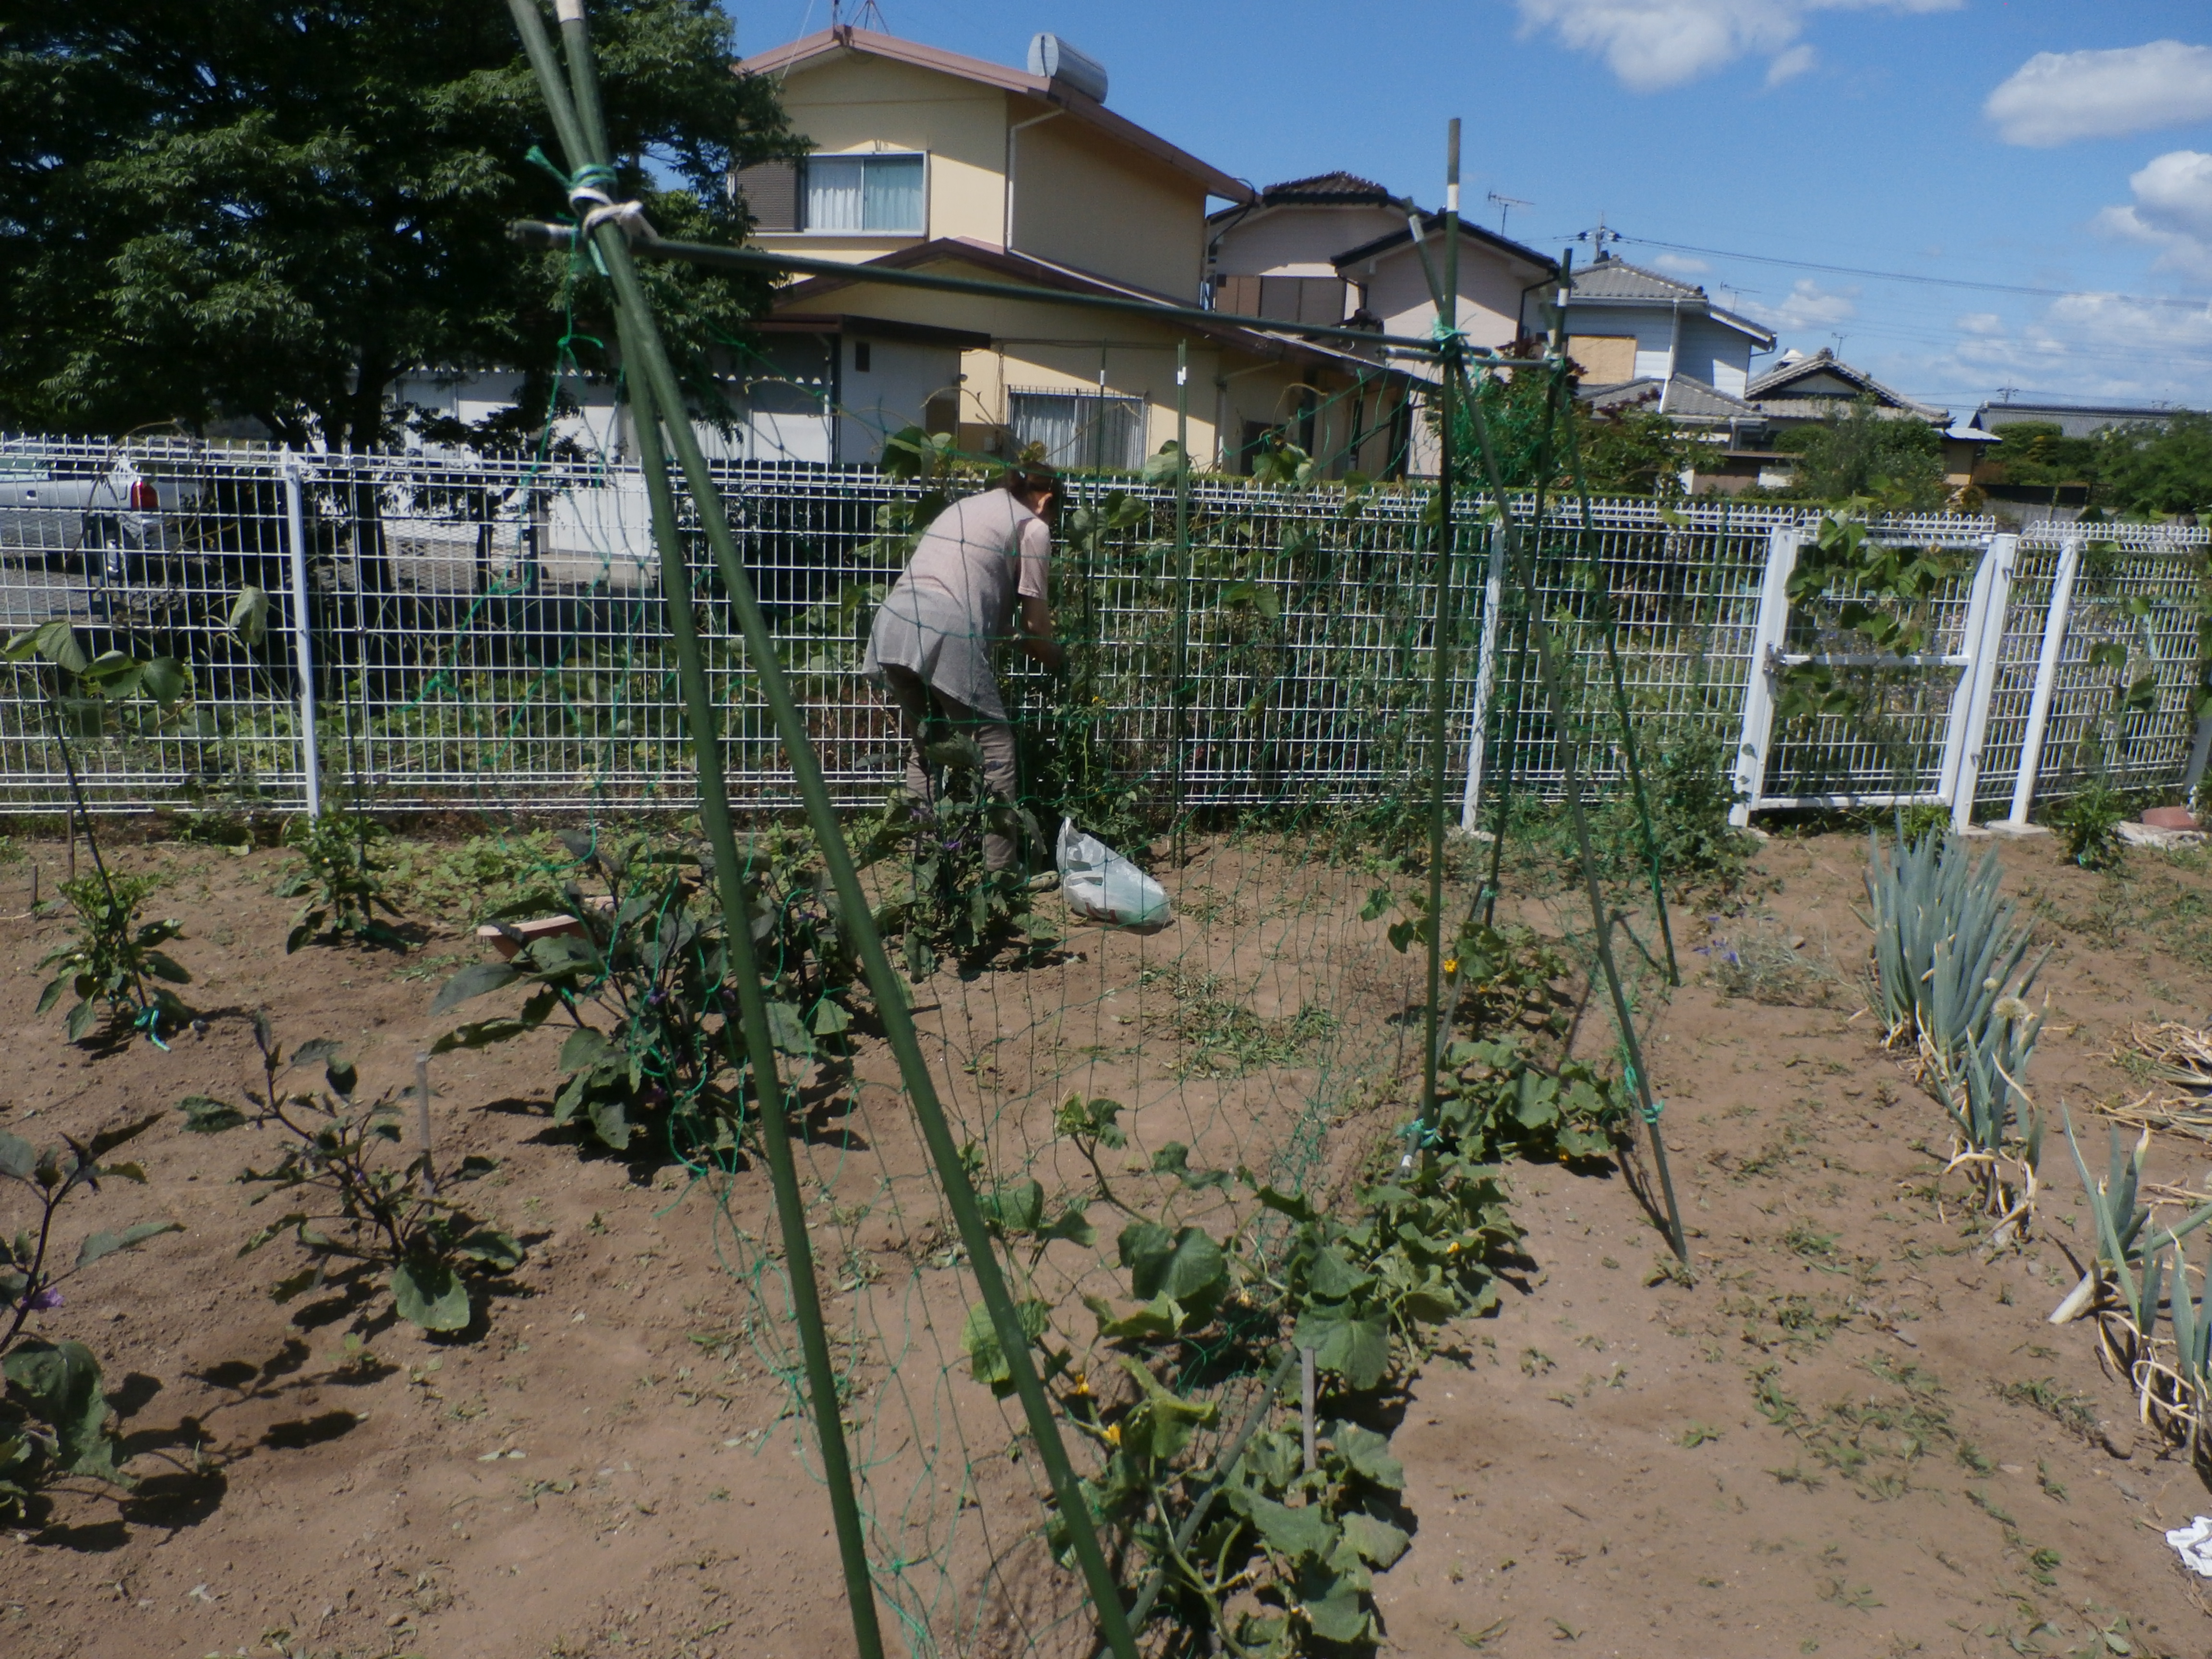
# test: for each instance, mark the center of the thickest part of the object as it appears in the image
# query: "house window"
(770, 191)
(872, 194)
(1079, 429)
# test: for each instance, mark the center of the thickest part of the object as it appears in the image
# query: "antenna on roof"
(867, 10)
(1598, 237)
(1505, 205)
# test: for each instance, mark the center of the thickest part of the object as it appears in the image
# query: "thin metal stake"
(422, 1119)
(1571, 786)
(303, 656)
(1183, 585)
(1306, 1404)
(1440, 644)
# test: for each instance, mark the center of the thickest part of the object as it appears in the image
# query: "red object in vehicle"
(143, 498)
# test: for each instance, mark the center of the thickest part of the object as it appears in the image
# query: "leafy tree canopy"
(1626, 452)
(2155, 466)
(249, 208)
(1895, 461)
(2145, 466)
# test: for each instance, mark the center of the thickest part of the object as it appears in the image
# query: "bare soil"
(1853, 1433)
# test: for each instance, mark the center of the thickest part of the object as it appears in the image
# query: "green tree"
(1624, 452)
(2155, 466)
(1897, 460)
(2039, 455)
(273, 208)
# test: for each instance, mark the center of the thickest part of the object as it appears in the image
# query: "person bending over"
(982, 559)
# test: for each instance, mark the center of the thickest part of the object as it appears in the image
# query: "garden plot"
(1852, 1432)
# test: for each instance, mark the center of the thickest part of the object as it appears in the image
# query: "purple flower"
(44, 1301)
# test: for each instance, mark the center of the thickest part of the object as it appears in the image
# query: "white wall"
(1490, 291)
(1717, 354)
(1298, 241)
(891, 393)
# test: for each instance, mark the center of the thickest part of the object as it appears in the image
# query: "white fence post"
(2046, 681)
(303, 661)
(2200, 753)
(1766, 638)
(1485, 681)
(1983, 640)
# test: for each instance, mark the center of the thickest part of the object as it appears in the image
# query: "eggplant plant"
(364, 1209)
(54, 1411)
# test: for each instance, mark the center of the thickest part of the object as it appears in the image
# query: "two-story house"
(1628, 323)
(1338, 247)
(927, 160)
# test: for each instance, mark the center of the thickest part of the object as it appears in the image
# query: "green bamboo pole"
(652, 367)
(589, 136)
(1570, 783)
(1628, 748)
(1440, 642)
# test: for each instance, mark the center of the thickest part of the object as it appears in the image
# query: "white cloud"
(1652, 43)
(1790, 64)
(2059, 96)
(2111, 324)
(1680, 265)
(2083, 346)
(2171, 212)
(1808, 306)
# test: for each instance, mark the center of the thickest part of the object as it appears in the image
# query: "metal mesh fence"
(487, 631)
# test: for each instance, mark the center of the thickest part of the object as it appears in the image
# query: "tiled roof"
(1782, 390)
(2072, 420)
(1684, 396)
(1328, 189)
(791, 303)
(1609, 278)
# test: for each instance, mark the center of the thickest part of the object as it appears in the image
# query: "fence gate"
(1979, 647)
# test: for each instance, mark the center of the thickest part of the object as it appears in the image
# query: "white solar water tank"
(1054, 58)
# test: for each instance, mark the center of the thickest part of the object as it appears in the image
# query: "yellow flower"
(1112, 1434)
(1451, 964)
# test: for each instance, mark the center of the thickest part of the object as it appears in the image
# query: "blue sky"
(2045, 144)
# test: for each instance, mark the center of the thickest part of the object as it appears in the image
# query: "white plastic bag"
(2193, 1544)
(1097, 882)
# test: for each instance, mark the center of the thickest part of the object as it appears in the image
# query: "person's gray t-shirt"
(955, 597)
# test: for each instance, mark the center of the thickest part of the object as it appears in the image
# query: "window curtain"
(835, 185)
(1079, 429)
(892, 194)
(864, 192)
(1052, 422)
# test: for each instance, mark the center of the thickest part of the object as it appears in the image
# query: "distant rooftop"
(1328, 189)
(1823, 384)
(1613, 281)
(2073, 420)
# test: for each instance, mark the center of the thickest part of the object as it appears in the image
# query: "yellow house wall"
(1081, 201)
(1045, 347)
(858, 104)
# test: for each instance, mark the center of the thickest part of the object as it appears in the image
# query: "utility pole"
(1598, 237)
